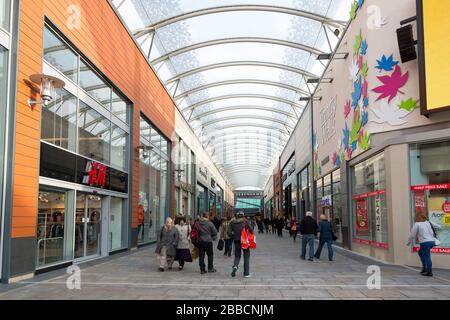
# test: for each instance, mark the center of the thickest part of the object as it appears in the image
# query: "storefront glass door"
(88, 225)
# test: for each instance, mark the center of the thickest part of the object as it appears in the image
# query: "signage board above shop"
(65, 166)
(433, 23)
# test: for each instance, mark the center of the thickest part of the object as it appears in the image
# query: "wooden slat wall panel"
(105, 42)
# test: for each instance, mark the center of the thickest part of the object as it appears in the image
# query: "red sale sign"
(362, 218)
(446, 207)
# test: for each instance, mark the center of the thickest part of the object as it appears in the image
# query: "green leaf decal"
(353, 10)
(409, 104)
(364, 69)
(356, 127)
(358, 43)
(365, 142)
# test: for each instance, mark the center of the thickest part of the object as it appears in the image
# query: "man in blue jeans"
(308, 229)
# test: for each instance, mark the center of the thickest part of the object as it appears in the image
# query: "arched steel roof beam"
(247, 140)
(254, 125)
(249, 170)
(245, 107)
(244, 146)
(240, 64)
(216, 42)
(248, 132)
(252, 117)
(239, 96)
(241, 81)
(230, 8)
(258, 162)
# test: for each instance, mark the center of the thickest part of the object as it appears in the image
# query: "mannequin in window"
(57, 230)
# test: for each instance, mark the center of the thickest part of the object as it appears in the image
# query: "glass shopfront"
(430, 188)
(5, 46)
(84, 163)
(329, 203)
(51, 226)
(212, 203)
(202, 199)
(304, 193)
(153, 181)
(369, 212)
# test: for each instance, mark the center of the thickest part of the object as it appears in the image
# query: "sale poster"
(438, 212)
(362, 218)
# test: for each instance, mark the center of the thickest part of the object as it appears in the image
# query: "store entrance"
(88, 225)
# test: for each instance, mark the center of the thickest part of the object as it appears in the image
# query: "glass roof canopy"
(237, 70)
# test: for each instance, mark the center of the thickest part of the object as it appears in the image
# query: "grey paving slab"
(277, 273)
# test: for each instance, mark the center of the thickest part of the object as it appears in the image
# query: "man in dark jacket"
(308, 229)
(235, 232)
(208, 233)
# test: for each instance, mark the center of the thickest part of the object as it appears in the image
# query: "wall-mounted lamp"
(329, 56)
(47, 84)
(317, 80)
(145, 151)
(307, 99)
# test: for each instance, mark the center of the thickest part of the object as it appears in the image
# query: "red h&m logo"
(95, 174)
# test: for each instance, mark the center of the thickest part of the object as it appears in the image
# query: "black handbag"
(220, 245)
(333, 236)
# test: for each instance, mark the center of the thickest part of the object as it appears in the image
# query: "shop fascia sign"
(95, 174)
(203, 171)
(328, 121)
(326, 201)
(213, 183)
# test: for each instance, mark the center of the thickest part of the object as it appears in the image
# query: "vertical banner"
(362, 219)
(378, 225)
(378, 222)
(420, 203)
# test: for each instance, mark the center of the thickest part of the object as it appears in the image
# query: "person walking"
(224, 234)
(294, 230)
(424, 232)
(184, 243)
(167, 244)
(308, 229)
(208, 233)
(280, 226)
(326, 236)
(236, 232)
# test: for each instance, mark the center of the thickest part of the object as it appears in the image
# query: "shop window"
(60, 56)
(430, 187)
(51, 227)
(119, 107)
(164, 196)
(94, 134)
(119, 147)
(117, 221)
(59, 121)
(336, 218)
(369, 202)
(201, 199)
(94, 85)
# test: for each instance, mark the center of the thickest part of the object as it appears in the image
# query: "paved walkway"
(277, 273)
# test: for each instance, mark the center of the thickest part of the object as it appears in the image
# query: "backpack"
(247, 239)
(195, 234)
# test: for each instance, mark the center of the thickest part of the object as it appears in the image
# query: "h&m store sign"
(61, 165)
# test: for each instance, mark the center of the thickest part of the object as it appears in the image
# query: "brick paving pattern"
(277, 273)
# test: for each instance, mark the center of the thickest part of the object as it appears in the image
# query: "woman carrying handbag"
(424, 232)
(183, 249)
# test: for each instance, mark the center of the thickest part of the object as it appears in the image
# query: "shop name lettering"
(328, 121)
(95, 174)
(203, 172)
